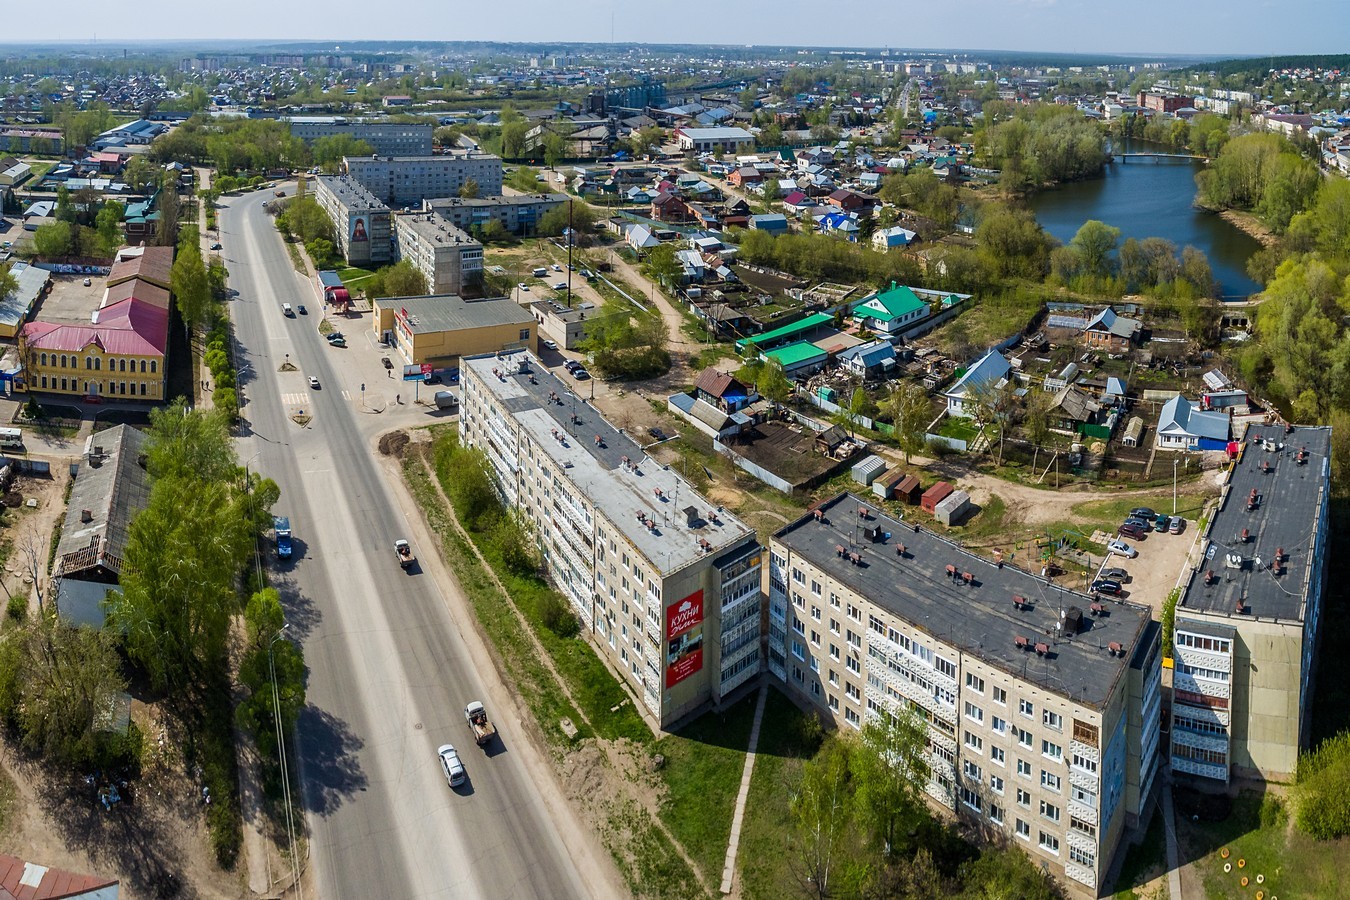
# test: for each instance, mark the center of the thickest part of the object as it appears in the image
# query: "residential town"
(808, 472)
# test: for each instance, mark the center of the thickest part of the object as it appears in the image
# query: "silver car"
(450, 764)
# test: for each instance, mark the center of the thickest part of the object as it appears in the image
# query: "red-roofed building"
(151, 264)
(22, 880)
(141, 290)
(121, 354)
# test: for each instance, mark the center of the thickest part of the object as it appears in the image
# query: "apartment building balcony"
(502, 434)
(1186, 738)
(1080, 778)
(1081, 874)
(1087, 751)
(1082, 812)
(1183, 682)
(1220, 662)
(1201, 769)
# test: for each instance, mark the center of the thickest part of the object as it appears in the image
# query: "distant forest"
(1260, 65)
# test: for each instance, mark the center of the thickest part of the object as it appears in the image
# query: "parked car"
(557, 268)
(552, 345)
(1105, 586)
(451, 765)
(388, 363)
(560, 286)
(314, 382)
(1120, 548)
(1177, 525)
(1114, 573)
(571, 364)
(216, 245)
(1143, 512)
(523, 286)
(1130, 530)
(580, 374)
(1162, 522)
(1146, 524)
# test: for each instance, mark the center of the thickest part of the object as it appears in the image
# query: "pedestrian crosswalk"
(295, 399)
(346, 395)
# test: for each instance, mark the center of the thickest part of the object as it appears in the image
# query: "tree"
(773, 384)
(995, 407)
(58, 681)
(402, 279)
(770, 191)
(1094, 243)
(889, 773)
(109, 225)
(54, 240)
(663, 266)
(822, 808)
(1013, 244)
(329, 150)
(555, 220)
(8, 283)
(524, 179)
(556, 147)
(189, 282)
(469, 190)
(166, 233)
(910, 412)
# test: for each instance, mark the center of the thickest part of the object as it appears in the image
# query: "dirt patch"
(394, 443)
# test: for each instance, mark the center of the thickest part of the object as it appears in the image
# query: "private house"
(838, 224)
(640, 238)
(32, 284)
(891, 311)
(775, 223)
(895, 236)
(988, 371)
(1184, 426)
(797, 202)
(1110, 332)
(849, 201)
(746, 176)
(1072, 409)
(868, 360)
(667, 207)
(723, 391)
(30, 881)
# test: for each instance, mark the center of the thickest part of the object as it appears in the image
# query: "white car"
(1120, 548)
(552, 345)
(557, 268)
(451, 766)
(523, 286)
(314, 382)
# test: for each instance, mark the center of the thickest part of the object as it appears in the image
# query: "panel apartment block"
(666, 584)
(361, 223)
(385, 138)
(1042, 704)
(1246, 628)
(450, 259)
(406, 181)
(518, 214)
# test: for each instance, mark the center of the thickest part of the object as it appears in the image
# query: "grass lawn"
(1258, 833)
(1144, 861)
(787, 738)
(1108, 514)
(352, 276)
(702, 775)
(958, 428)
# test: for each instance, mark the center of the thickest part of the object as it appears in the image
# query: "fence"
(758, 471)
(830, 407)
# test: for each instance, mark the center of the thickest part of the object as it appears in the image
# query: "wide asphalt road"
(389, 672)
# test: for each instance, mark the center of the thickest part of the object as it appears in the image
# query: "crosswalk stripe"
(346, 395)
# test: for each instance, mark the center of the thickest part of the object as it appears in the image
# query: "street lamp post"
(1175, 460)
(281, 754)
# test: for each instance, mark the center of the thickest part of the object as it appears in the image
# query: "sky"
(1224, 27)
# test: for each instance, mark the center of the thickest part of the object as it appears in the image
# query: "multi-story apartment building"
(666, 584)
(1246, 629)
(519, 214)
(361, 223)
(386, 138)
(1042, 704)
(450, 259)
(406, 181)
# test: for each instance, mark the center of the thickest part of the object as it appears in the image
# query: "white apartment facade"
(666, 585)
(406, 181)
(450, 259)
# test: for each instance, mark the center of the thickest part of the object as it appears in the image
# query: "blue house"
(775, 223)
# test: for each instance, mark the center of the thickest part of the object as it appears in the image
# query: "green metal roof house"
(891, 311)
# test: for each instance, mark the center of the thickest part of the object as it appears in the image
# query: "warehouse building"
(665, 584)
(1247, 624)
(1042, 704)
(438, 330)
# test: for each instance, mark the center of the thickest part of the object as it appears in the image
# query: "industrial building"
(665, 584)
(1042, 704)
(451, 260)
(438, 330)
(361, 223)
(1247, 623)
(405, 181)
(385, 138)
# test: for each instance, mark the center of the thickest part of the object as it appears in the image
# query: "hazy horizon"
(1211, 28)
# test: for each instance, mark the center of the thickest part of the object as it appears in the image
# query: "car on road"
(87, 282)
(1177, 525)
(1131, 530)
(451, 765)
(1120, 548)
(557, 268)
(314, 382)
(1114, 573)
(216, 245)
(580, 374)
(388, 363)
(301, 310)
(1105, 586)
(560, 286)
(1143, 512)
(552, 345)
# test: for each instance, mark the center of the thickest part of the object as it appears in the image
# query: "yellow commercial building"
(437, 330)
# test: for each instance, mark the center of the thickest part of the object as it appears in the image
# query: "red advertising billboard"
(684, 638)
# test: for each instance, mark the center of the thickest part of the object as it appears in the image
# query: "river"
(1146, 197)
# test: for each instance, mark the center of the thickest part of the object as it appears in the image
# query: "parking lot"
(70, 301)
(1154, 572)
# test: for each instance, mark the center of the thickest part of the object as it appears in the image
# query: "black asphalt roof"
(979, 617)
(1287, 515)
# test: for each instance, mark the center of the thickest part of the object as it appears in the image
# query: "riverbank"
(1250, 225)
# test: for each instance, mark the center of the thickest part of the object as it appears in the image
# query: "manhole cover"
(418, 726)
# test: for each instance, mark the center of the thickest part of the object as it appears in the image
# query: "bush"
(1273, 813)
(1323, 791)
(17, 608)
(557, 616)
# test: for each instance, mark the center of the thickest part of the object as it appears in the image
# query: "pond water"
(1147, 197)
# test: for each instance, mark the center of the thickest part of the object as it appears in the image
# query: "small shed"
(935, 495)
(953, 509)
(1133, 432)
(909, 490)
(867, 470)
(885, 484)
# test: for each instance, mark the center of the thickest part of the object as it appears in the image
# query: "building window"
(1082, 762)
(153, 364)
(798, 650)
(1083, 795)
(1023, 737)
(123, 364)
(946, 667)
(853, 665)
(1085, 827)
(1000, 696)
(1023, 798)
(44, 381)
(1049, 842)
(974, 682)
(853, 693)
(834, 703)
(1024, 768)
(1052, 720)
(1000, 726)
(88, 362)
(1085, 733)
(1050, 780)
(524, 334)
(996, 784)
(995, 814)
(44, 359)
(1050, 811)
(974, 742)
(815, 587)
(834, 677)
(972, 770)
(142, 367)
(1023, 830)
(1052, 750)
(63, 361)
(1082, 857)
(970, 798)
(996, 754)
(1025, 708)
(974, 713)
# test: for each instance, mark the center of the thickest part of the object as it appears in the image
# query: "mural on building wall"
(684, 636)
(359, 229)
